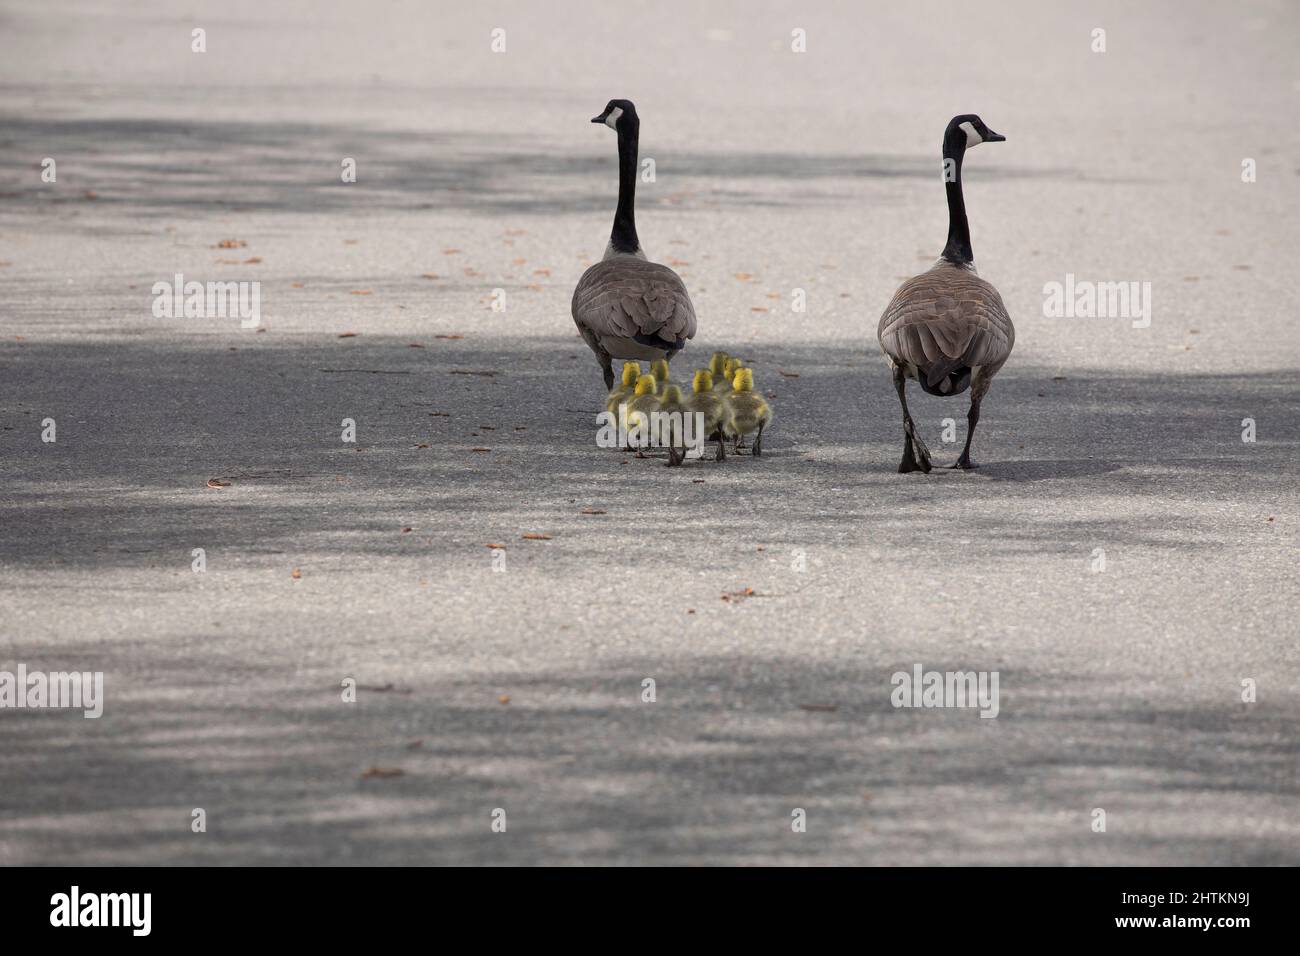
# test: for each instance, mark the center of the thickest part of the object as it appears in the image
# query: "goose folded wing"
(937, 332)
(993, 336)
(636, 303)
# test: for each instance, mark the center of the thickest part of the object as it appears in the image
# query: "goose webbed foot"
(916, 457)
(674, 457)
(910, 460)
(964, 463)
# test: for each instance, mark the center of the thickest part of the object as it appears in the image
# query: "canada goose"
(947, 328)
(746, 409)
(625, 306)
(639, 409)
(670, 402)
(704, 400)
(659, 369)
(631, 372)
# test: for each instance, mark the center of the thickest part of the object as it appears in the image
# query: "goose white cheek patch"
(972, 138)
(612, 119)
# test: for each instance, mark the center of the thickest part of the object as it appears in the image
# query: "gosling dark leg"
(758, 443)
(722, 448)
(916, 457)
(972, 418)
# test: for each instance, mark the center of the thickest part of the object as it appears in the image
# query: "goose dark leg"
(916, 457)
(909, 462)
(972, 418)
(607, 366)
(722, 448)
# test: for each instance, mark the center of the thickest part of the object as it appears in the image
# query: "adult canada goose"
(947, 328)
(625, 306)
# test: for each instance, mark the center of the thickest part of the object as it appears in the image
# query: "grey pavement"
(770, 600)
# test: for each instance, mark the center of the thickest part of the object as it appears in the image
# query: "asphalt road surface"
(1123, 560)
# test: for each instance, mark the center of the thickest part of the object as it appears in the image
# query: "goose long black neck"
(624, 238)
(958, 249)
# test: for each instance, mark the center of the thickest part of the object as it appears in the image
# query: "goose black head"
(618, 114)
(973, 128)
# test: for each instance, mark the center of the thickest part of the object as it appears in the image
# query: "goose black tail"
(946, 382)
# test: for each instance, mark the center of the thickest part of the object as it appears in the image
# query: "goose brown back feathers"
(629, 305)
(944, 321)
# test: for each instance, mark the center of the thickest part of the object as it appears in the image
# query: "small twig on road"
(287, 473)
(368, 371)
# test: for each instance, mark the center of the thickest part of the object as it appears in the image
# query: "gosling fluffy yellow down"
(747, 412)
(728, 375)
(624, 392)
(718, 366)
(659, 369)
(671, 401)
(710, 404)
(639, 408)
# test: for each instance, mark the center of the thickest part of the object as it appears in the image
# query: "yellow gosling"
(659, 369)
(718, 365)
(728, 374)
(747, 412)
(624, 392)
(710, 404)
(669, 402)
(643, 403)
